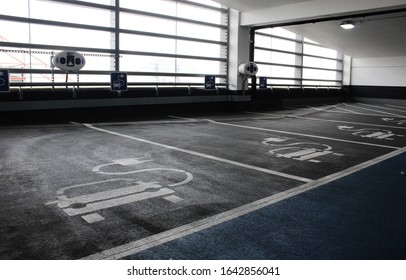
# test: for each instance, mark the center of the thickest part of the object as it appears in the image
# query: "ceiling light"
(347, 25)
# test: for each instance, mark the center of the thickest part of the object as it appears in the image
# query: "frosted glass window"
(64, 36)
(273, 51)
(142, 43)
(65, 12)
(147, 24)
(154, 36)
(163, 7)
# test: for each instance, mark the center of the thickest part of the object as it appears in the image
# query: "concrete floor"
(99, 190)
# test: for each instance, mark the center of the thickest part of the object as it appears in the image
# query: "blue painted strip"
(361, 216)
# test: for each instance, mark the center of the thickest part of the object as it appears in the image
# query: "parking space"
(79, 189)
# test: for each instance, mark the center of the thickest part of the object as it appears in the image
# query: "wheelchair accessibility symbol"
(87, 200)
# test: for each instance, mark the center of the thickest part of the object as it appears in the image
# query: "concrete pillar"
(239, 41)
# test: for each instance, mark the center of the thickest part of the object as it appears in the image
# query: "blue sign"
(209, 82)
(4, 80)
(118, 81)
(263, 82)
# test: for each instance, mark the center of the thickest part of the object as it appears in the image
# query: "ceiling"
(252, 5)
(380, 35)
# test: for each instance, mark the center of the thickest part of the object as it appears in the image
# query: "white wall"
(379, 71)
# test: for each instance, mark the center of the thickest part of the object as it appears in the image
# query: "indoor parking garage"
(202, 130)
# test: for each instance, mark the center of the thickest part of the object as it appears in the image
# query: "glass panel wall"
(287, 59)
(158, 41)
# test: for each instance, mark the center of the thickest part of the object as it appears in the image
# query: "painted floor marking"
(137, 161)
(325, 120)
(86, 204)
(301, 151)
(83, 199)
(239, 164)
(396, 106)
(329, 110)
(378, 111)
(386, 108)
(397, 121)
(93, 218)
(335, 107)
(183, 231)
(347, 111)
(304, 135)
(373, 133)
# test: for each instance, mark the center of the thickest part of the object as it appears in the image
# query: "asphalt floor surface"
(308, 182)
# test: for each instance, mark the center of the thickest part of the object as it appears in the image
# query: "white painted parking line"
(382, 107)
(378, 111)
(93, 218)
(328, 109)
(303, 135)
(138, 246)
(396, 106)
(348, 111)
(331, 110)
(326, 120)
(232, 162)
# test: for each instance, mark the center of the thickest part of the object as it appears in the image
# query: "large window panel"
(278, 31)
(319, 74)
(14, 59)
(275, 57)
(159, 40)
(64, 12)
(104, 2)
(156, 79)
(74, 37)
(276, 71)
(320, 51)
(17, 8)
(147, 24)
(312, 64)
(283, 82)
(94, 62)
(142, 43)
(275, 43)
(155, 64)
(198, 80)
(321, 84)
(321, 63)
(199, 14)
(14, 32)
(199, 49)
(164, 7)
(207, 2)
(200, 32)
(196, 66)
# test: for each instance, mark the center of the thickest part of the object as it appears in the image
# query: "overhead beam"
(316, 11)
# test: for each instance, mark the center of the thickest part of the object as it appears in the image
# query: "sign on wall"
(4, 81)
(118, 81)
(263, 82)
(209, 82)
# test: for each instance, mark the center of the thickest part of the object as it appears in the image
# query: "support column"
(239, 42)
(115, 38)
